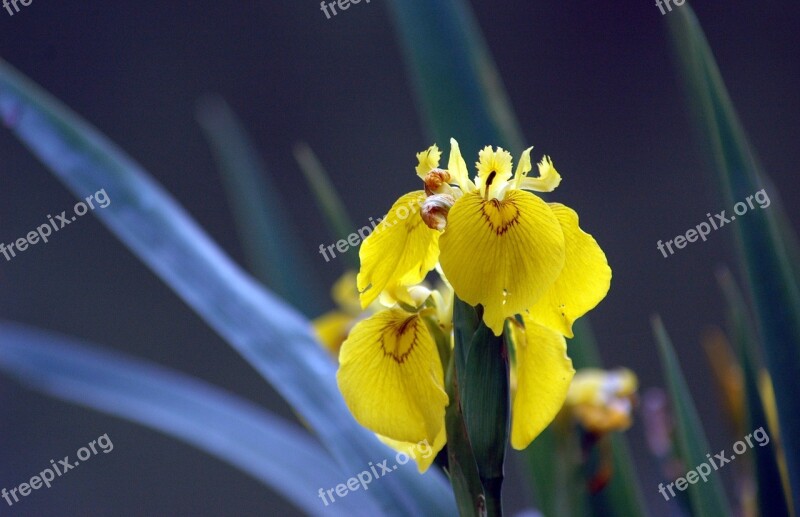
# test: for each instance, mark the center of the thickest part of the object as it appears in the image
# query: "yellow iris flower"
(499, 246)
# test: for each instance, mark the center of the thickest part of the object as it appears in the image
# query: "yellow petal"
(548, 178)
(428, 159)
(501, 254)
(331, 330)
(457, 168)
(391, 377)
(583, 282)
(544, 372)
(400, 252)
(422, 452)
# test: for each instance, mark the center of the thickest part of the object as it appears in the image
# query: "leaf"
(457, 83)
(771, 497)
(771, 278)
(265, 228)
(335, 214)
(277, 341)
(279, 454)
(707, 499)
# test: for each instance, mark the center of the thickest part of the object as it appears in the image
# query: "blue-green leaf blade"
(275, 452)
(457, 83)
(276, 340)
(264, 226)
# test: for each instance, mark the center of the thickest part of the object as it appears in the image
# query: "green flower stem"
(479, 390)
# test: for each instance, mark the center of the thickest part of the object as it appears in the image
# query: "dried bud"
(434, 210)
(434, 181)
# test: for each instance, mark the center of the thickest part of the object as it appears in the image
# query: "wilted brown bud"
(434, 181)
(434, 210)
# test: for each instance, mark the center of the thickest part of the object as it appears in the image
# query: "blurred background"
(593, 84)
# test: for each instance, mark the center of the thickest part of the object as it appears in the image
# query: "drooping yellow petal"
(544, 372)
(501, 254)
(400, 252)
(428, 160)
(391, 377)
(422, 452)
(583, 282)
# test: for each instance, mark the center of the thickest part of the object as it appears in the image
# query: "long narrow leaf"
(336, 218)
(771, 497)
(708, 498)
(275, 452)
(265, 229)
(275, 339)
(457, 83)
(771, 275)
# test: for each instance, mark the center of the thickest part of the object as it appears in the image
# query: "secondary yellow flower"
(499, 245)
(601, 400)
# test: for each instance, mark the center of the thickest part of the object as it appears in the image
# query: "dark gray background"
(592, 83)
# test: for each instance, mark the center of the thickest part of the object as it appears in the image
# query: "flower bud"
(434, 210)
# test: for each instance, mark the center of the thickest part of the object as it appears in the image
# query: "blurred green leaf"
(333, 210)
(771, 498)
(457, 83)
(277, 341)
(275, 452)
(771, 279)
(266, 231)
(707, 499)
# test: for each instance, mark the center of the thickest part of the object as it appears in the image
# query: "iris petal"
(543, 372)
(501, 254)
(400, 252)
(583, 282)
(391, 377)
(422, 452)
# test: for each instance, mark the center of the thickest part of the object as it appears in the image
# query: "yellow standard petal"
(428, 160)
(501, 254)
(543, 372)
(391, 377)
(583, 282)
(423, 453)
(400, 252)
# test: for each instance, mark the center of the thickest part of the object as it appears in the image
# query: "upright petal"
(583, 282)
(391, 377)
(428, 160)
(501, 254)
(457, 168)
(543, 372)
(400, 252)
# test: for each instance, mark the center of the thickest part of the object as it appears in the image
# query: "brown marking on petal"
(498, 207)
(399, 332)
